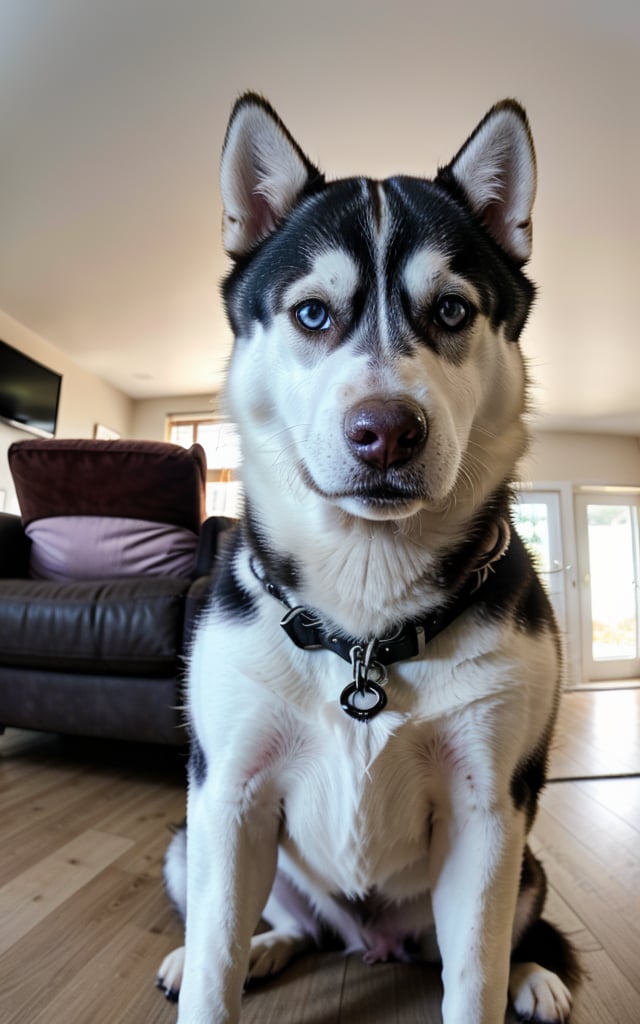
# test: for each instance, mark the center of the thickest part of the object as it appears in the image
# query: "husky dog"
(374, 685)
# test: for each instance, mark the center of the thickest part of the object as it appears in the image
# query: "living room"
(110, 271)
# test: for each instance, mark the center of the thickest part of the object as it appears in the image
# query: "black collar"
(309, 633)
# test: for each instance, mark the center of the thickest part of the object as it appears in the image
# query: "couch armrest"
(15, 547)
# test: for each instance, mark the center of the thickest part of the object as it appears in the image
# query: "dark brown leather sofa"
(102, 655)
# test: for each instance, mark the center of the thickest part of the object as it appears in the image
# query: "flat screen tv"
(29, 392)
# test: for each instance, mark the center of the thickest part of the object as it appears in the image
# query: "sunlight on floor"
(615, 725)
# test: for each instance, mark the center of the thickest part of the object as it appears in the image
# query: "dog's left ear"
(262, 174)
(496, 169)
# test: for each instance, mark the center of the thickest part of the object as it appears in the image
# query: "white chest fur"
(359, 783)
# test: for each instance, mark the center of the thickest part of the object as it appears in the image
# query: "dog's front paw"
(272, 951)
(539, 994)
(169, 977)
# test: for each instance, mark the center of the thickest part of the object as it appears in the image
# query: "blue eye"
(453, 312)
(313, 316)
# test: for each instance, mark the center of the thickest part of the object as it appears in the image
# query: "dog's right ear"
(263, 173)
(496, 169)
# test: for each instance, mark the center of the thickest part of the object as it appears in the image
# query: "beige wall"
(150, 414)
(583, 459)
(84, 399)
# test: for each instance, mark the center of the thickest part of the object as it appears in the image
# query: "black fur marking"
(358, 312)
(436, 214)
(453, 345)
(533, 890)
(376, 205)
(282, 571)
(533, 607)
(512, 307)
(457, 565)
(347, 215)
(533, 877)
(228, 594)
(528, 780)
(439, 215)
(197, 767)
(513, 589)
(325, 220)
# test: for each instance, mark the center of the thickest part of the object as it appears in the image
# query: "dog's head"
(376, 368)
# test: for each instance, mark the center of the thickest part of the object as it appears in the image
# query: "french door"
(609, 575)
(543, 518)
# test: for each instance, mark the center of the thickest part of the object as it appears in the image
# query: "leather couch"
(102, 655)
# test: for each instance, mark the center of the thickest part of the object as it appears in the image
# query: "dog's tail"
(546, 945)
(536, 940)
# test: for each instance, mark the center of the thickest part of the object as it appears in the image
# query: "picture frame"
(103, 433)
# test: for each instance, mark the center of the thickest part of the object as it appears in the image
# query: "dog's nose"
(385, 433)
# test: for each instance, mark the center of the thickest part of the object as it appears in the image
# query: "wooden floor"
(84, 922)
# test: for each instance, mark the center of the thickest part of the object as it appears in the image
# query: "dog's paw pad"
(272, 951)
(539, 995)
(169, 976)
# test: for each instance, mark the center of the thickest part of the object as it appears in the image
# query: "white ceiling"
(112, 114)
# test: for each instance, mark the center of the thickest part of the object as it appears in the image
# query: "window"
(222, 447)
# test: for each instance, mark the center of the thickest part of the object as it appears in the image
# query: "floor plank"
(34, 894)
(116, 969)
(597, 734)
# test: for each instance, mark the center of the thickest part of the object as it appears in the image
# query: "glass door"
(537, 520)
(541, 518)
(607, 529)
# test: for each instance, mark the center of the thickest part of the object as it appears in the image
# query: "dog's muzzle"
(385, 433)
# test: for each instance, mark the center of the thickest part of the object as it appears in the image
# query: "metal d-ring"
(363, 703)
(364, 697)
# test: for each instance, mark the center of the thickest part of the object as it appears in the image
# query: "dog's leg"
(175, 871)
(477, 856)
(232, 855)
(169, 976)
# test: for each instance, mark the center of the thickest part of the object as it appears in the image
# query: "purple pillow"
(67, 548)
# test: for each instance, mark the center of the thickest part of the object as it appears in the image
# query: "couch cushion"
(108, 547)
(115, 707)
(131, 627)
